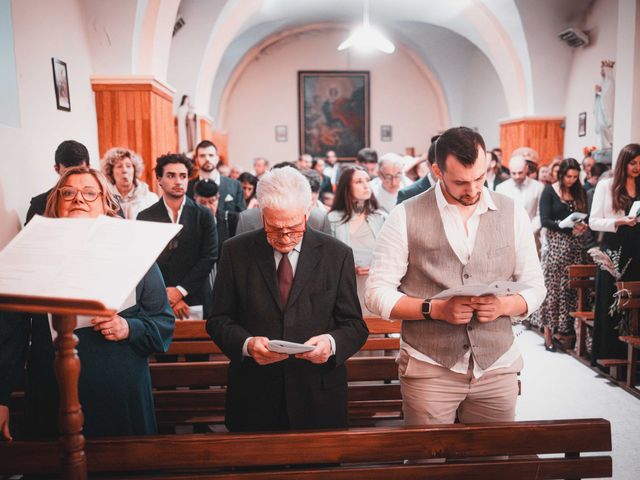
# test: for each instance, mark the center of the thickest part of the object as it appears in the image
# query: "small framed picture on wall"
(582, 124)
(281, 133)
(386, 133)
(61, 84)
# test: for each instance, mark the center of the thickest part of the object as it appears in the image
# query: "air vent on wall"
(574, 38)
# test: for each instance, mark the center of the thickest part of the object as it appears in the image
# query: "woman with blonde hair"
(123, 169)
(115, 382)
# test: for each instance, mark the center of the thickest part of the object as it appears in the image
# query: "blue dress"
(115, 382)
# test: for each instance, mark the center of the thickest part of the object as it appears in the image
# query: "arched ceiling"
(219, 34)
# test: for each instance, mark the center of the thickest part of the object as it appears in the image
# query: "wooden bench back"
(372, 449)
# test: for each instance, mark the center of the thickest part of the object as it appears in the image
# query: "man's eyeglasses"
(390, 178)
(289, 232)
(88, 194)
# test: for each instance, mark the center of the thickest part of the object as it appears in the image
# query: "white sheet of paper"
(195, 312)
(100, 259)
(572, 219)
(478, 290)
(635, 209)
(282, 346)
(84, 321)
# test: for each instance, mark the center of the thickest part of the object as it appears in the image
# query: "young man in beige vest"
(457, 355)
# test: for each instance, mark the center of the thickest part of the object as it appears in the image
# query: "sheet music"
(100, 258)
(478, 290)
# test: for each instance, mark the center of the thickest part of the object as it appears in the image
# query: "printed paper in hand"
(478, 290)
(572, 219)
(282, 346)
(635, 209)
(84, 321)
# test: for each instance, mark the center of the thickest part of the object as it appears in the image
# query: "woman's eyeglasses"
(88, 194)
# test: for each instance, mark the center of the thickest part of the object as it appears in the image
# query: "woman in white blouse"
(356, 221)
(613, 201)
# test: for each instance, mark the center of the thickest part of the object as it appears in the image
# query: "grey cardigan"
(340, 230)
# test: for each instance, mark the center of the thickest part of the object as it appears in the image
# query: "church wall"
(602, 23)
(55, 28)
(266, 96)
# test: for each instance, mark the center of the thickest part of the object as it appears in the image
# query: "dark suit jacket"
(326, 186)
(323, 299)
(226, 223)
(231, 196)
(189, 257)
(37, 206)
(414, 189)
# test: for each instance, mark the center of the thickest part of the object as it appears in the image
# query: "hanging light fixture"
(366, 37)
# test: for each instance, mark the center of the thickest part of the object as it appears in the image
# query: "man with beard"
(230, 190)
(188, 259)
(458, 354)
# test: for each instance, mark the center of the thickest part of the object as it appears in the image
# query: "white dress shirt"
(180, 288)
(603, 217)
(527, 194)
(391, 258)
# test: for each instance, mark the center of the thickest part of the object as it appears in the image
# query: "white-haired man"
(286, 282)
(389, 181)
(522, 189)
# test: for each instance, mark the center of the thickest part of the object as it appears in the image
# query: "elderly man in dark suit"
(230, 190)
(189, 258)
(286, 282)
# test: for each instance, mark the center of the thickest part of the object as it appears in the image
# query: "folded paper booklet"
(635, 209)
(81, 259)
(572, 219)
(282, 346)
(478, 290)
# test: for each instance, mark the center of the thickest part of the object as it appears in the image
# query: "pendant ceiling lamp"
(366, 37)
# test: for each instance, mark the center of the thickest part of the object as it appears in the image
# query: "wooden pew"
(372, 453)
(189, 393)
(582, 278)
(630, 302)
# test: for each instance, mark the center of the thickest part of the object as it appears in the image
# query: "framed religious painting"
(61, 84)
(582, 124)
(333, 112)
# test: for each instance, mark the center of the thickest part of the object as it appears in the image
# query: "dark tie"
(285, 278)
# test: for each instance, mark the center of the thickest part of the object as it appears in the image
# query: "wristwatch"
(426, 309)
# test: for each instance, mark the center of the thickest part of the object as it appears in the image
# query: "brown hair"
(576, 190)
(621, 199)
(343, 200)
(111, 207)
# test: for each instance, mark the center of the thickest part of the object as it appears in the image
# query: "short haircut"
(111, 158)
(462, 143)
(169, 158)
(204, 144)
(284, 164)
(71, 154)
(205, 188)
(314, 178)
(284, 189)
(598, 169)
(367, 155)
(431, 154)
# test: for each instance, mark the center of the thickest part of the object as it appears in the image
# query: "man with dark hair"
(206, 195)
(189, 258)
(368, 158)
(68, 154)
(458, 353)
(230, 190)
(423, 184)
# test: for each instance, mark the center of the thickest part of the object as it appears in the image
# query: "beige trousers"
(432, 394)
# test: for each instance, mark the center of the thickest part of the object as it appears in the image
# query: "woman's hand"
(626, 221)
(113, 328)
(579, 228)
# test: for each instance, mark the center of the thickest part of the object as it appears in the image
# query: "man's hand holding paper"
(258, 348)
